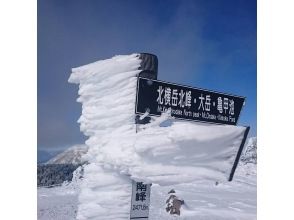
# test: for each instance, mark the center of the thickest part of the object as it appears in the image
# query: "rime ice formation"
(182, 152)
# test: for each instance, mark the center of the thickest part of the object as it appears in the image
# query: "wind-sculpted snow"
(182, 152)
(107, 92)
(186, 152)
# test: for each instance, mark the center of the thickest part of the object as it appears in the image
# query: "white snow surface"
(204, 200)
(182, 153)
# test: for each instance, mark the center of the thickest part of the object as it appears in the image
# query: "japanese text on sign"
(187, 103)
(184, 99)
(140, 200)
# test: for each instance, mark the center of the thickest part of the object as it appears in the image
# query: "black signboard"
(187, 103)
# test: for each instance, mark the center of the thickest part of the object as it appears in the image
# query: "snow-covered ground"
(203, 200)
(58, 203)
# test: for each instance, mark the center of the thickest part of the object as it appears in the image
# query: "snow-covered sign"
(140, 200)
(199, 152)
(187, 103)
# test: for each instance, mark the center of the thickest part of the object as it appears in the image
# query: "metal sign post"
(239, 154)
(140, 201)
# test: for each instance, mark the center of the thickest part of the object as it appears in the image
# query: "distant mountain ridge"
(61, 167)
(72, 155)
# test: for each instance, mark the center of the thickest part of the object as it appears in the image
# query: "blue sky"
(209, 44)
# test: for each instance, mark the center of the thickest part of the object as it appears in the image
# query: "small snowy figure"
(173, 203)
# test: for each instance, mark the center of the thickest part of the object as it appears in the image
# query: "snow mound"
(72, 155)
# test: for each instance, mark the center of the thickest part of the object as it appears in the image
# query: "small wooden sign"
(140, 200)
